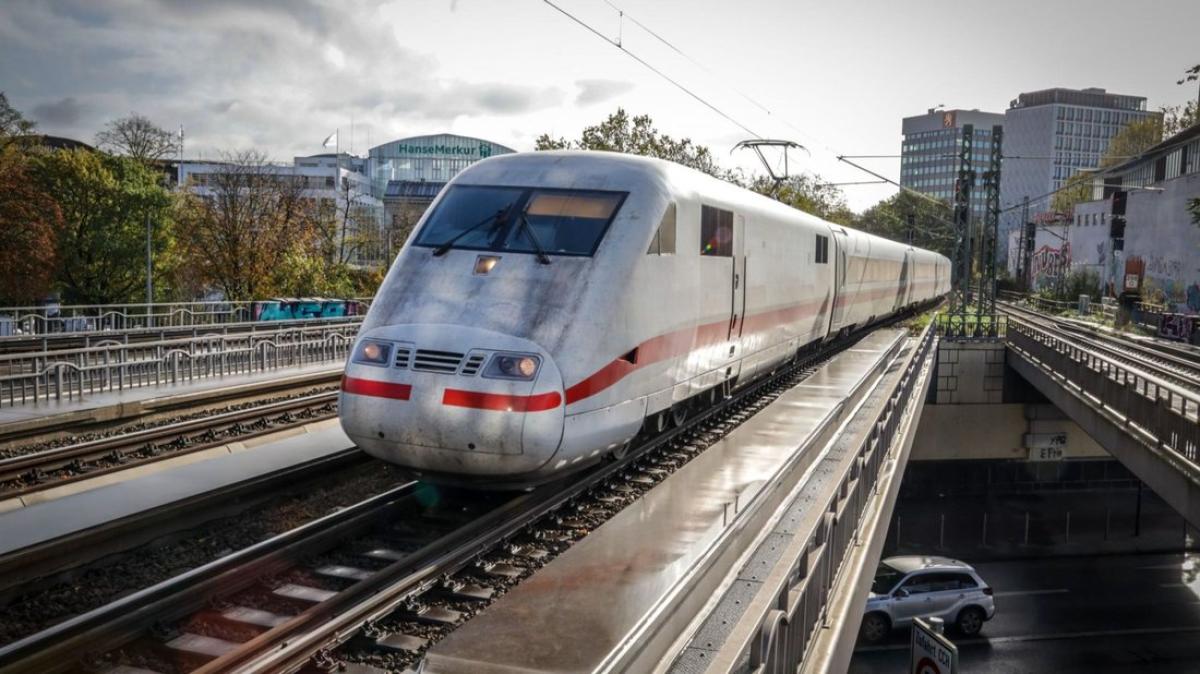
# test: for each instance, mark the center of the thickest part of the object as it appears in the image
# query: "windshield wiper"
(537, 246)
(494, 218)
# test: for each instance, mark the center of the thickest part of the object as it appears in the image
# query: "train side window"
(716, 232)
(822, 255)
(663, 242)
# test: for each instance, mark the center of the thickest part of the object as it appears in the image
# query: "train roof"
(594, 169)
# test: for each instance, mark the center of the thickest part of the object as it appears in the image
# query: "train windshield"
(521, 220)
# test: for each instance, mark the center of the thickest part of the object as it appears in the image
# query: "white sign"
(1046, 446)
(932, 653)
(1131, 281)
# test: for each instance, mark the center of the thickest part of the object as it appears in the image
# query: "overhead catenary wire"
(653, 69)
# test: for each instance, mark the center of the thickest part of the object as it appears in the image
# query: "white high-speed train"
(550, 305)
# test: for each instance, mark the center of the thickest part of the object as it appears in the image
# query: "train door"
(738, 311)
(907, 272)
(842, 298)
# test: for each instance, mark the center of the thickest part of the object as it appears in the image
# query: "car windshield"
(885, 579)
(521, 220)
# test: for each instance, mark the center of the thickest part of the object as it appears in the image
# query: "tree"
(1076, 190)
(931, 222)
(104, 202)
(250, 230)
(808, 193)
(137, 137)
(1134, 139)
(29, 224)
(12, 122)
(637, 135)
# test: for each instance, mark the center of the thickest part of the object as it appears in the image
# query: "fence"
(53, 318)
(55, 375)
(1149, 405)
(971, 326)
(787, 630)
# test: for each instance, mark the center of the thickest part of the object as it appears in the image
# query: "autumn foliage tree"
(104, 202)
(638, 135)
(29, 223)
(249, 229)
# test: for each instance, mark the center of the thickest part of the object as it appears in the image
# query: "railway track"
(36, 471)
(1178, 365)
(354, 580)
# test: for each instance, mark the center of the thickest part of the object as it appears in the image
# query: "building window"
(716, 232)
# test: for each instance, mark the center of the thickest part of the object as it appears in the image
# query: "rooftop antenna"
(757, 144)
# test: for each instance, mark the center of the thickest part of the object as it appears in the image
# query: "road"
(1126, 613)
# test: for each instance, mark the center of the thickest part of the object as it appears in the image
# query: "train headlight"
(371, 352)
(512, 366)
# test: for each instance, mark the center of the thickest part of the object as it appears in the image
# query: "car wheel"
(875, 626)
(970, 621)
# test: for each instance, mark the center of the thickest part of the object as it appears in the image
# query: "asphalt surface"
(1121, 613)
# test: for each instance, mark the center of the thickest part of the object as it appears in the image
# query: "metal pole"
(149, 273)
(983, 539)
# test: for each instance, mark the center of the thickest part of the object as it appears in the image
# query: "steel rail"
(124, 450)
(1166, 366)
(58, 648)
(45, 560)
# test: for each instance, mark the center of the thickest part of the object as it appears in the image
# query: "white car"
(922, 587)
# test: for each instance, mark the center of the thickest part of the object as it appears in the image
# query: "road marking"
(1189, 565)
(1020, 593)
(1046, 637)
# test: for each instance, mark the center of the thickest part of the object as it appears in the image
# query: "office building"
(929, 152)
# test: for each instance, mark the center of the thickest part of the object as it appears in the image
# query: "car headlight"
(371, 352)
(521, 366)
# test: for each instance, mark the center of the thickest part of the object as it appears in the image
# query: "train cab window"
(521, 220)
(716, 232)
(822, 254)
(663, 242)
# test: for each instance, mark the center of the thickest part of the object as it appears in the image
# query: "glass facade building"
(1051, 135)
(430, 159)
(929, 152)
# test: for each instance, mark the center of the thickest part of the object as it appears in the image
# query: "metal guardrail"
(54, 375)
(787, 629)
(51, 319)
(971, 326)
(1158, 410)
(55, 341)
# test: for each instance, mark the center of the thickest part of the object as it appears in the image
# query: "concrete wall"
(969, 372)
(981, 431)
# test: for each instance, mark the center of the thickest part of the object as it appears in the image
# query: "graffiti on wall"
(1048, 264)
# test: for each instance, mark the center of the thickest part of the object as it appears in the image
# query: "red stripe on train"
(501, 402)
(377, 389)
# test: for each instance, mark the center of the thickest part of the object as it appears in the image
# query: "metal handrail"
(788, 628)
(67, 373)
(1161, 410)
(77, 318)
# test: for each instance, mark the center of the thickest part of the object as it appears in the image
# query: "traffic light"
(1119, 198)
(1030, 236)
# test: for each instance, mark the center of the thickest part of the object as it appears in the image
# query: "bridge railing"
(971, 326)
(68, 373)
(54, 318)
(787, 630)
(1151, 407)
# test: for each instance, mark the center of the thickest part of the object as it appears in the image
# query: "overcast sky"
(836, 76)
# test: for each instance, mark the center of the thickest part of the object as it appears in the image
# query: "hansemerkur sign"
(482, 150)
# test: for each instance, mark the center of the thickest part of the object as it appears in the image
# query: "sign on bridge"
(932, 653)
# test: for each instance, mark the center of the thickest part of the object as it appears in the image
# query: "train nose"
(454, 399)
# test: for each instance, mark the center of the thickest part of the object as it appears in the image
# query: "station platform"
(36, 526)
(619, 599)
(48, 416)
